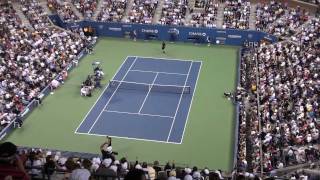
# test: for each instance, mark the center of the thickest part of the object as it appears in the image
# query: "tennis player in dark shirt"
(163, 47)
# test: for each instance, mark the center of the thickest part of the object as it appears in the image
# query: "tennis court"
(147, 99)
(209, 129)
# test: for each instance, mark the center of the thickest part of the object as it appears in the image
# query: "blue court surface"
(147, 99)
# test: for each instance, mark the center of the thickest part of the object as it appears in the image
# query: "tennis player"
(163, 47)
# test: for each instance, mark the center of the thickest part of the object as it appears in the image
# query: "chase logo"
(127, 25)
(100, 26)
(234, 36)
(154, 31)
(173, 30)
(197, 34)
(115, 29)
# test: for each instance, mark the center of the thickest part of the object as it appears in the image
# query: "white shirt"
(80, 174)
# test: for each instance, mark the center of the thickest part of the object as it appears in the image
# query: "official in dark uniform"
(163, 47)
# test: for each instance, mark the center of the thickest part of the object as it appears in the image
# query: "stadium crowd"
(112, 10)
(268, 13)
(174, 12)
(279, 19)
(208, 17)
(142, 11)
(86, 7)
(35, 13)
(38, 163)
(236, 14)
(274, 17)
(63, 9)
(30, 60)
(288, 83)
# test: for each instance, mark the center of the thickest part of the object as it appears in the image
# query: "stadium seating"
(276, 18)
(268, 13)
(142, 11)
(236, 14)
(31, 59)
(174, 12)
(112, 11)
(208, 17)
(86, 7)
(35, 13)
(283, 89)
(41, 163)
(64, 10)
(288, 102)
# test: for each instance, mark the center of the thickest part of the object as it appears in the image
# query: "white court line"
(145, 114)
(194, 91)
(145, 99)
(167, 59)
(161, 72)
(140, 114)
(175, 114)
(114, 92)
(101, 94)
(129, 138)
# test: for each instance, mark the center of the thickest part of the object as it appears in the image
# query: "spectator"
(172, 175)
(50, 166)
(35, 163)
(82, 172)
(10, 163)
(85, 91)
(105, 169)
(188, 175)
(136, 174)
(156, 167)
(106, 149)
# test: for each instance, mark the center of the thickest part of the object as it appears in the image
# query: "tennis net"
(151, 87)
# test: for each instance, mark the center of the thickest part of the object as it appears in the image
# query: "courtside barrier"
(237, 114)
(233, 37)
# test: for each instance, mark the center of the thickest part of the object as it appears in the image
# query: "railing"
(237, 114)
(34, 103)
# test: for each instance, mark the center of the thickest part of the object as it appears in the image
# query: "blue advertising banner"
(171, 33)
